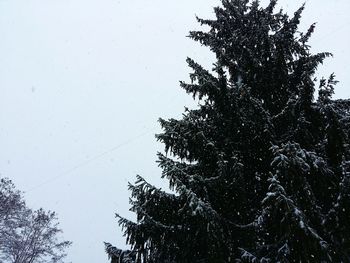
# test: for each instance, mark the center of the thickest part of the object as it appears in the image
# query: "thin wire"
(86, 162)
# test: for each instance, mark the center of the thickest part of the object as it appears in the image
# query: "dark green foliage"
(260, 170)
(117, 255)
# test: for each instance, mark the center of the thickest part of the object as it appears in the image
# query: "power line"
(86, 162)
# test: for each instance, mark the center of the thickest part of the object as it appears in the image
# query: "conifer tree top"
(260, 168)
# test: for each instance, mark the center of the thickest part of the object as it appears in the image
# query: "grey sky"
(83, 83)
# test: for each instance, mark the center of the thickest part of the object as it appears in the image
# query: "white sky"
(82, 84)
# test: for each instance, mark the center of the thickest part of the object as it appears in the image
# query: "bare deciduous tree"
(27, 236)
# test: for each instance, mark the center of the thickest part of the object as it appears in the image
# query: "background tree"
(261, 168)
(27, 236)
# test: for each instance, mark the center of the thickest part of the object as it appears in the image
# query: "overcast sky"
(82, 84)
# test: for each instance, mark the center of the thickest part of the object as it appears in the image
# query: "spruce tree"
(261, 168)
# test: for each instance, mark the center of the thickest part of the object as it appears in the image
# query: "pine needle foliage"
(261, 169)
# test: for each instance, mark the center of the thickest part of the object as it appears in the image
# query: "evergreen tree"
(261, 169)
